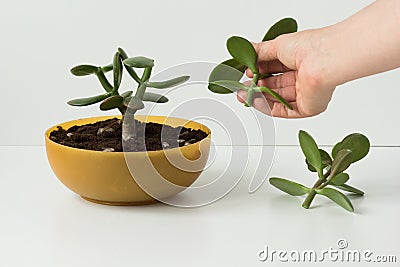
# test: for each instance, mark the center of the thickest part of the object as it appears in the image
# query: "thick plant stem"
(309, 199)
(128, 130)
(249, 98)
(250, 92)
(320, 181)
(128, 122)
(255, 79)
(327, 182)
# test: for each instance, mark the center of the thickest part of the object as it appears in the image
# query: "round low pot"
(106, 177)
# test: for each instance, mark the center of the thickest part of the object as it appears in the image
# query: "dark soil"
(107, 136)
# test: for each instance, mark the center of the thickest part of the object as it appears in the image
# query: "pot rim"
(98, 118)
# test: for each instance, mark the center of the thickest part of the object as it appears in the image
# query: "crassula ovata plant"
(112, 99)
(127, 103)
(225, 77)
(330, 169)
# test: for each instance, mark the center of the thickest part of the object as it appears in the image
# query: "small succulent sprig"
(225, 77)
(126, 101)
(330, 170)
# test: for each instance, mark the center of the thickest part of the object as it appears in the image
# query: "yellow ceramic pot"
(106, 177)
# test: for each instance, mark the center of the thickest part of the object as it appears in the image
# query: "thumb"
(267, 50)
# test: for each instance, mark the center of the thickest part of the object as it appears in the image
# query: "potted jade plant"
(91, 156)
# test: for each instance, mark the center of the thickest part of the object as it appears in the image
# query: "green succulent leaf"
(243, 52)
(219, 89)
(134, 103)
(88, 100)
(152, 97)
(169, 83)
(228, 70)
(289, 187)
(131, 71)
(122, 53)
(275, 95)
(350, 189)
(103, 80)
(310, 167)
(337, 197)
(340, 179)
(117, 67)
(228, 85)
(139, 62)
(112, 102)
(107, 68)
(83, 70)
(325, 158)
(311, 151)
(127, 94)
(357, 143)
(343, 160)
(336, 149)
(286, 25)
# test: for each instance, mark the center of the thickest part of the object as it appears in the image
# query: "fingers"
(241, 96)
(268, 106)
(249, 73)
(280, 111)
(271, 67)
(277, 109)
(266, 51)
(286, 79)
(267, 58)
(288, 93)
(272, 108)
(284, 84)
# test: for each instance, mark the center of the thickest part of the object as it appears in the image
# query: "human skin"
(312, 63)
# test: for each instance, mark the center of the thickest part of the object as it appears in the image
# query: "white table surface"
(44, 224)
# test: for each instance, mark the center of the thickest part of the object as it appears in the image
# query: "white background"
(41, 40)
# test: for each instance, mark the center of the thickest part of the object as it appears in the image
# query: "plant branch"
(310, 197)
(132, 73)
(327, 182)
(130, 70)
(103, 80)
(146, 74)
(250, 92)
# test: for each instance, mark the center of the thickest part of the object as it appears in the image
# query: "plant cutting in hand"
(330, 170)
(225, 77)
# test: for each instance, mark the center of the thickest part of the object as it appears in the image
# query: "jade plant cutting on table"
(225, 77)
(329, 168)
